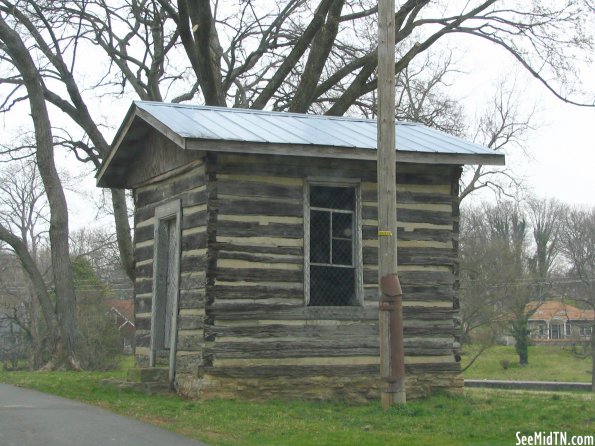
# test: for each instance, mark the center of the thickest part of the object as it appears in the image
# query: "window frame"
(357, 254)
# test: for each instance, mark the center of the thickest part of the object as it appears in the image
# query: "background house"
(256, 249)
(557, 322)
(122, 310)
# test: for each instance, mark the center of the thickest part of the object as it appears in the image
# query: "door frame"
(168, 211)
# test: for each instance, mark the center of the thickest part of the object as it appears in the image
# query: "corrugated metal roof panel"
(217, 123)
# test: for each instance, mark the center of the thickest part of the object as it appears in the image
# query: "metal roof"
(234, 124)
(218, 129)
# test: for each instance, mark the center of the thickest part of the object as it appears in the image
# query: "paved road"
(30, 418)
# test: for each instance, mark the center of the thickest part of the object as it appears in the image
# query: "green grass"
(479, 417)
(545, 364)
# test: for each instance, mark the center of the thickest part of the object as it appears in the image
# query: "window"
(332, 245)
(541, 330)
(585, 331)
(555, 332)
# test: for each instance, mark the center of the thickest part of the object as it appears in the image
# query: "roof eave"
(116, 144)
(322, 151)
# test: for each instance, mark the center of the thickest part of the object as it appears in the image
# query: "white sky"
(559, 158)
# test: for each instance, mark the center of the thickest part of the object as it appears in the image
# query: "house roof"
(549, 310)
(124, 307)
(194, 127)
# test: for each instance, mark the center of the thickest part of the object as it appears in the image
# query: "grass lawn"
(546, 363)
(479, 417)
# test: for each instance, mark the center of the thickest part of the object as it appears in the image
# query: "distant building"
(555, 321)
(123, 313)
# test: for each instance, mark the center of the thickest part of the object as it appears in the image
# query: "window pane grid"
(332, 271)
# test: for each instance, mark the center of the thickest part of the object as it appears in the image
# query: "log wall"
(260, 337)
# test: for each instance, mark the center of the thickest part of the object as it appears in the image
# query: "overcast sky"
(558, 156)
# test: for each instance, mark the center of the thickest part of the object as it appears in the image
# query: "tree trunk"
(36, 345)
(123, 231)
(63, 355)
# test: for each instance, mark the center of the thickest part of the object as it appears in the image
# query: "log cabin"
(255, 242)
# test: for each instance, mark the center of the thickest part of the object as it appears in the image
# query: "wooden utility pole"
(392, 353)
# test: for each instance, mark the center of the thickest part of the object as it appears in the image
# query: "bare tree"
(23, 206)
(42, 24)
(302, 55)
(547, 217)
(63, 355)
(495, 285)
(23, 211)
(289, 57)
(501, 127)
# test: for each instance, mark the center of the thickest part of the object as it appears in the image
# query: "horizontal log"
(412, 216)
(255, 274)
(370, 232)
(444, 293)
(282, 312)
(407, 197)
(145, 270)
(143, 323)
(358, 330)
(192, 299)
(294, 350)
(222, 292)
(228, 228)
(250, 311)
(409, 278)
(274, 250)
(298, 169)
(300, 371)
(256, 207)
(334, 347)
(144, 253)
(293, 371)
(196, 219)
(143, 287)
(280, 331)
(259, 257)
(194, 241)
(193, 263)
(415, 256)
(302, 167)
(194, 281)
(190, 322)
(256, 189)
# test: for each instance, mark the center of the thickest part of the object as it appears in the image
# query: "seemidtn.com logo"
(554, 439)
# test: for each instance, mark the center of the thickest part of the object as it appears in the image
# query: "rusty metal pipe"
(391, 301)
